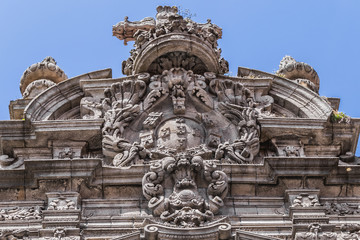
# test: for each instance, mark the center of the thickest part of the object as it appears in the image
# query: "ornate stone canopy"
(177, 149)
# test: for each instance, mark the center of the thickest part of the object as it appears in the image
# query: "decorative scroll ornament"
(168, 22)
(236, 104)
(166, 121)
(341, 208)
(185, 206)
(62, 204)
(174, 122)
(23, 213)
(121, 101)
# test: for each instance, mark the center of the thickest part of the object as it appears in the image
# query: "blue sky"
(256, 34)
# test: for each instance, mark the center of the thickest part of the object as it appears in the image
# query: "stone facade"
(177, 149)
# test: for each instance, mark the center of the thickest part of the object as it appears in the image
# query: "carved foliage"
(121, 105)
(177, 60)
(177, 82)
(12, 234)
(236, 104)
(23, 213)
(341, 208)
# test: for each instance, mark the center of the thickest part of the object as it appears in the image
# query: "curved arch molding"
(61, 98)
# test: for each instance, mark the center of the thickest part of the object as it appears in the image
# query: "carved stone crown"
(165, 43)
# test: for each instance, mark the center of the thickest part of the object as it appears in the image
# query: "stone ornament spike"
(40, 76)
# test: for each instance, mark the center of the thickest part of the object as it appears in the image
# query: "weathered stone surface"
(176, 149)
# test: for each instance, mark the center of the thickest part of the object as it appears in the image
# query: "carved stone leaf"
(156, 96)
(199, 94)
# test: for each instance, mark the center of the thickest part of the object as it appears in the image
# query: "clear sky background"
(256, 34)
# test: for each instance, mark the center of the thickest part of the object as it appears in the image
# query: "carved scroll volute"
(151, 184)
(245, 148)
(218, 187)
(185, 206)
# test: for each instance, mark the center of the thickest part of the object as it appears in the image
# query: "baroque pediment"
(177, 148)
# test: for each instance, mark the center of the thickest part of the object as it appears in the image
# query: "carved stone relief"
(62, 201)
(167, 127)
(174, 122)
(185, 206)
(168, 21)
(21, 213)
(286, 147)
(341, 208)
(315, 232)
(305, 200)
(68, 149)
(11, 234)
